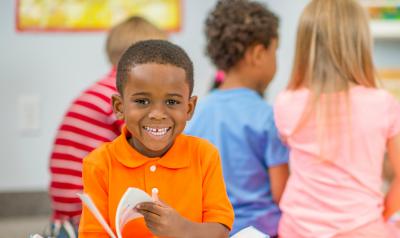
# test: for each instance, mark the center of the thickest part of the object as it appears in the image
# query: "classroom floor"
(22, 227)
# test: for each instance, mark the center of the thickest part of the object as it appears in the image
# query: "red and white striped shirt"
(87, 124)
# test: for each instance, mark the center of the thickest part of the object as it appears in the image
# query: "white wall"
(57, 66)
(54, 67)
(387, 53)
(288, 12)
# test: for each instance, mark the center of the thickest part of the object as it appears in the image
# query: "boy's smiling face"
(155, 106)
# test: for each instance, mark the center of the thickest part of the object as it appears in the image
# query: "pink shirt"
(340, 191)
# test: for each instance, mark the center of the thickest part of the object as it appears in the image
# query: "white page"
(92, 207)
(250, 231)
(126, 207)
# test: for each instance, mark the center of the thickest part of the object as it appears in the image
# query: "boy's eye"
(142, 101)
(172, 102)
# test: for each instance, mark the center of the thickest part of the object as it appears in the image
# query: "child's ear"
(192, 106)
(253, 54)
(118, 106)
(258, 54)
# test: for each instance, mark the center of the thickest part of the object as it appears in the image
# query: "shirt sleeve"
(276, 152)
(94, 184)
(216, 205)
(393, 117)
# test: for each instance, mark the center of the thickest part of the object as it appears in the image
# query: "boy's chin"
(157, 151)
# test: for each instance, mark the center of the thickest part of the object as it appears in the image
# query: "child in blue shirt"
(242, 39)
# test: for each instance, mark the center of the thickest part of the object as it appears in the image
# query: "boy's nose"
(158, 113)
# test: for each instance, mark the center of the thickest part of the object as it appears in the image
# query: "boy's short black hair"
(153, 51)
(235, 25)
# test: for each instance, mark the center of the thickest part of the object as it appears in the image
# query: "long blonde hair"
(333, 53)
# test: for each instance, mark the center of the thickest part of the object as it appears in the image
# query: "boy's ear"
(118, 106)
(192, 106)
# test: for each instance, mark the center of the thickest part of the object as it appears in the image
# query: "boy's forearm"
(208, 229)
(392, 200)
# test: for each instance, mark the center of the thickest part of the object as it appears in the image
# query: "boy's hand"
(161, 219)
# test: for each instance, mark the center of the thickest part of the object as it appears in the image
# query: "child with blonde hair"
(338, 126)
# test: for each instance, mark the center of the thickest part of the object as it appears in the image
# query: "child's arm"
(388, 173)
(278, 176)
(276, 159)
(392, 200)
(163, 220)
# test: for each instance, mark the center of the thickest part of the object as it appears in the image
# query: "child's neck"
(234, 79)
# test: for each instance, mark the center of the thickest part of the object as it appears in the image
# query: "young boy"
(241, 40)
(88, 123)
(155, 83)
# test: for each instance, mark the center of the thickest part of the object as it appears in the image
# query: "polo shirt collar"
(175, 158)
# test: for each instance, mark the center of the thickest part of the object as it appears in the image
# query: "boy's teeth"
(156, 131)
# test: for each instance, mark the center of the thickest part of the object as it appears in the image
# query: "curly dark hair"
(153, 51)
(235, 25)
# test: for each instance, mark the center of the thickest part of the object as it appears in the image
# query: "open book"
(250, 231)
(125, 209)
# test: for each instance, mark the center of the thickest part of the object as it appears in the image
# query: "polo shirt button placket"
(151, 184)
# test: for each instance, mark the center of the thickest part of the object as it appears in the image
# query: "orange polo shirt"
(188, 178)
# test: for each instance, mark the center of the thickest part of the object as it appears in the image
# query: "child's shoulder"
(287, 95)
(98, 157)
(379, 95)
(102, 88)
(198, 143)
(287, 98)
(201, 151)
(200, 148)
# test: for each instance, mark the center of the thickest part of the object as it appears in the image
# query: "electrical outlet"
(28, 106)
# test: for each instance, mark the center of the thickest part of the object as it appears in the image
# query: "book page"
(126, 207)
(250, 231)
(92, 207)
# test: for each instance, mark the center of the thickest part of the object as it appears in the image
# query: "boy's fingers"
(154, 195)
(155, 198)
(161, 203)
(149, 216)
(149, 207)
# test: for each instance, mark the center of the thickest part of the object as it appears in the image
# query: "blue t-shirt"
(241, 124)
